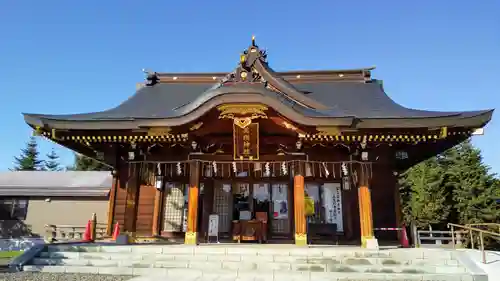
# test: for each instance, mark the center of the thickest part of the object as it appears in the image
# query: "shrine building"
(256, 155)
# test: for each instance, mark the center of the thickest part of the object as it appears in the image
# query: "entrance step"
(273, 261)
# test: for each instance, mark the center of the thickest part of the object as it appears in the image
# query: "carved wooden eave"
(252, 111)
(196, 126)
(159, 131)
(152, 135)
(289, 125)
(384, 137)
(329, 131)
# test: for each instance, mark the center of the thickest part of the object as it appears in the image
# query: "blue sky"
(81, 56)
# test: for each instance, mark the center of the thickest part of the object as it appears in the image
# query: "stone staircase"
(255, 262)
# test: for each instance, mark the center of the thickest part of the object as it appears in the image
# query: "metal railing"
(440, 237)
(472, 230)
(490, 225)
(68, 233)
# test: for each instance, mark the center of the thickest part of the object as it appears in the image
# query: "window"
(327, 200)
(14, 209)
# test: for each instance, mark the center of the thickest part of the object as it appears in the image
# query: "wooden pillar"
(111, 204)
(365, 204)
(155, 231)
(191, 237)
(299, 205)
(132, 198)
(93, 227)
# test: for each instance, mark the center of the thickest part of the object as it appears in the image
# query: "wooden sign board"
(246, 142)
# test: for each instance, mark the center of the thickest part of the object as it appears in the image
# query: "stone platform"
(257, 262)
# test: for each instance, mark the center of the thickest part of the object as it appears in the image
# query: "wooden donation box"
(252, 229)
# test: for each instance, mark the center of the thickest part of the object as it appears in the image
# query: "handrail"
(73, 225)
(474, 229)
(484, 223)
(481, 232)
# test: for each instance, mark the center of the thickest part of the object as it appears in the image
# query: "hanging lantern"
(308, 170)
(214, 165)
(131, 155)
(158, 178)
(179, 169)
(345, 183)
(159, 182)
(364, 155)
(208, 170)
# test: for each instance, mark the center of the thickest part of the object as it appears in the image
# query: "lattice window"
(175, 208)
(222, 195)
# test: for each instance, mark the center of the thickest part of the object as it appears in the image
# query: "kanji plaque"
(246, 141)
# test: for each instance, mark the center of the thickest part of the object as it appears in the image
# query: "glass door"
(242, 207)
(261, 201)
(280, 222)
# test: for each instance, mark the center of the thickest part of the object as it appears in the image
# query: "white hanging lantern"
(158, 178)
(131, 155)
(346, 183)
(364, 155)
(159, 182)
(308, 170)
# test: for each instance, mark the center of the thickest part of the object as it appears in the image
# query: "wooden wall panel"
(145, 211)
(384, 209)
(120, 200)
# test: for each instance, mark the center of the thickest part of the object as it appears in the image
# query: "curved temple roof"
(318, 101)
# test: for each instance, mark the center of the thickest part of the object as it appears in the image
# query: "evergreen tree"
(52, 162)
(455, 187)
(474, 188)
(28, 160)
(424, 199)
(84, 163)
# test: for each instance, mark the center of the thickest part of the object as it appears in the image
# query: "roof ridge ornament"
(151, 77)
(245, 71)
(253, 68)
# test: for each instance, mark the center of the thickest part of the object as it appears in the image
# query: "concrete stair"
(254, 262)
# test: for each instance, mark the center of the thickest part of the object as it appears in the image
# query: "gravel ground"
(38, 276)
